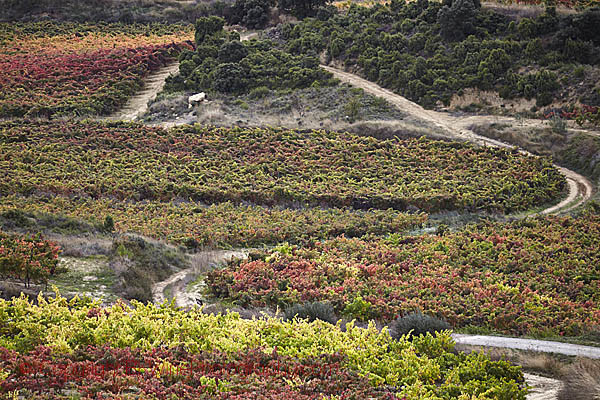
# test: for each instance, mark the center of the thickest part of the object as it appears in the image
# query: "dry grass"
(581, 381)
(538, 141)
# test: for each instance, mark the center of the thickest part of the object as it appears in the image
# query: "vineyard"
(533, 277)
(267, 167)
(304, 264)
(220, 225)
(145, 350)
(49, 69)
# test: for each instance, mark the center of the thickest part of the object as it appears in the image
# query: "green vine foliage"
(426, 368)
(269, 167)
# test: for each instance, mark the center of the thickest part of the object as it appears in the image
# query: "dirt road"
(580, 189)
(542, 388)
(138, 104)
(542, 346)
(177, 284)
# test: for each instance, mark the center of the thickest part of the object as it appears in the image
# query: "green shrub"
(352, 109)
(457, 21)
(232, 52)
(557, 124)
(417, 324)
(312, 311)
(208, 26)
(109, 224)
(259, 92)
(229, 78)
(253, 14)
(301, 8)
(222, 63)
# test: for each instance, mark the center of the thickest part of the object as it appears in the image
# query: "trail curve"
(580, 188)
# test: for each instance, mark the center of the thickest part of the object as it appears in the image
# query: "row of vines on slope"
(163, 351)
(268, 167)
(532, 277)
(220, 225)
(51, 69)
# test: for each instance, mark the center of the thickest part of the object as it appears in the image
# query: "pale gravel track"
(138, 104)
(538, 346)
(542, 388)
(580, 189)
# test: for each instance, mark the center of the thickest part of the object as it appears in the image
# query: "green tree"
(253, 14)
(232, 52)
(208, 26)
(229, 78)
(457, 21)
(301, 8)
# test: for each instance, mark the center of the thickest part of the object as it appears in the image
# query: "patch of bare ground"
(542, 388)
(520, 11)
(472, 98)
(176, 286)
(581, 381)
(331, 108)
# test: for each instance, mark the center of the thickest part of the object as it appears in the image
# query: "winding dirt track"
(138, 104)
(580, 189)
(177, 283)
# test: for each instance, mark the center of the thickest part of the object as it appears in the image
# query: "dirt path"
(138, 104)
(541, 346)
(542, 388)
(176, 286)
(580, 189)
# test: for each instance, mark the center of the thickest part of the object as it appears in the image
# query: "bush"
(208, 26)
(109, 224)
(229, 78)
(457, 21)
(558, 124)
(253, 14)
(259, 92)
(312, 311)
(222, 63)
(352, 109)
(232, 52)
(417, 324)
(301, 8)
